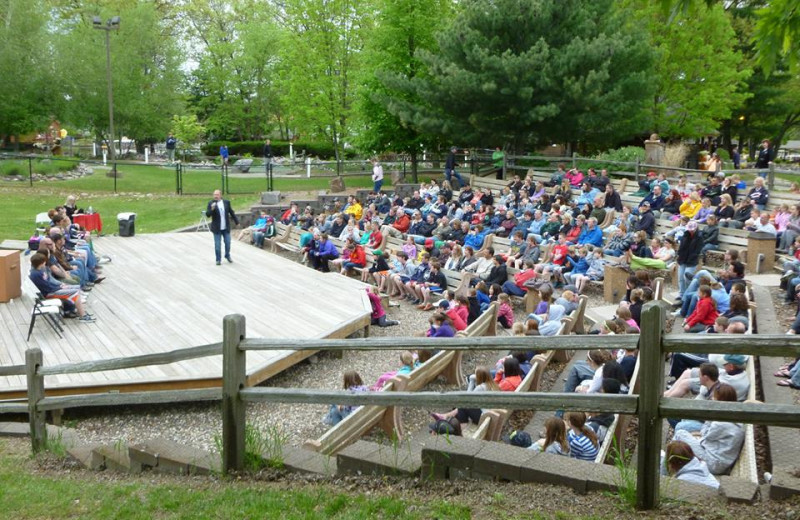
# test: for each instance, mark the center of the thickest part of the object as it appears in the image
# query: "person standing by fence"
(763, 159)
(223, 154)
(498, 160)
(221, 215)
(377, 176)
(171, 143)
(268, 163)
(450, 168)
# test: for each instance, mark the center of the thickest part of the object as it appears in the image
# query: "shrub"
(279, 148)
(625, 154)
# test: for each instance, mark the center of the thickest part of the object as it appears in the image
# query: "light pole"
(112, 24)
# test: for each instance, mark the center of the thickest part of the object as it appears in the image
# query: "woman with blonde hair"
(690, 207)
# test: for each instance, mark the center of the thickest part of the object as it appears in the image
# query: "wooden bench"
(746, 467)
(492, 422)
(615, 436)
(364, 418)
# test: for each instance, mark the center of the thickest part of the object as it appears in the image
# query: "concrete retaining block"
(355, 459)
(300, 460)
(112, 458)
(401, 459)
(784, 484)
(737, 490)
(449, 457)
(14, 429)
(558, 470)
(165, 456)
(498, 461)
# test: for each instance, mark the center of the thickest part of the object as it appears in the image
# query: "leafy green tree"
(700, 75)
(146, 75)
(30, 94)
(777, 34)
(402, 28)
(321, 63)
(188, 129)
(518, 71)
(234, 87)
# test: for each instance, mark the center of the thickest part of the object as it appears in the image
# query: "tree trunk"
(726, 136)
(414, 166)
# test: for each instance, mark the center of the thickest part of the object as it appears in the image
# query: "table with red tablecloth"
(90, 223)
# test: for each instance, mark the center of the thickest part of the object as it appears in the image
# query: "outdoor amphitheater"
(187, 358)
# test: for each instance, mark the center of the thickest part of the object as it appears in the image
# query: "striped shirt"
(580, 446)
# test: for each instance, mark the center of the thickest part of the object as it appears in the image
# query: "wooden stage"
(164, 292)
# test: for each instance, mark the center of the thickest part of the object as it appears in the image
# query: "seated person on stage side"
(71, 295)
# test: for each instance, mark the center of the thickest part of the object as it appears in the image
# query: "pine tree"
(517, 71)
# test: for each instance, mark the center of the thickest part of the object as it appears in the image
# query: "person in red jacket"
(705, 314)
(517, 287)
(458, 322)
(402, 223)
(358, 258)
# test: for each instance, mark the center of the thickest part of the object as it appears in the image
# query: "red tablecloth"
(91, 222)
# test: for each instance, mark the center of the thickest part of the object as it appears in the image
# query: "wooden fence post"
(234, 376)
(651, 373)
(574, 160)
(33, 360)
(638, 170)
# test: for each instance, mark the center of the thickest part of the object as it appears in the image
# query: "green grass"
(25, 494)
(148, 191)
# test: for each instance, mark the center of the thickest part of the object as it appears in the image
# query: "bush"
(279, 148)
(625, 154)
(723, 153)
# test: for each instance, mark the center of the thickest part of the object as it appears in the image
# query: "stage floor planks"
(164, 292)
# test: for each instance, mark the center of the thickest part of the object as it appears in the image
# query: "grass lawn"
(28, 494)
(148, 191)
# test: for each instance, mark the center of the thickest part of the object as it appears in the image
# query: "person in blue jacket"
(323, 251)
(591, 234)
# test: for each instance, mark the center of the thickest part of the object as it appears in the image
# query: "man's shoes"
(219, 263)
(98, 280)
(229, 259)
(87, 318)
(675, 314)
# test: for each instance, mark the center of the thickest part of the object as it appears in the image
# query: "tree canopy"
(519, 71)
(404, 76)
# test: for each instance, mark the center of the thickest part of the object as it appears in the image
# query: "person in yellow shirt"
(354, 208)
(691, 206)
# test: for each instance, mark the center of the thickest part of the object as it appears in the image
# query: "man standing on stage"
(221, 215)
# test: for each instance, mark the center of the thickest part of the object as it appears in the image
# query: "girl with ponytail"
(582, 440)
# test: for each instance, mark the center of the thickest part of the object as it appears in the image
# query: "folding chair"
(50, 311)
(42, 221)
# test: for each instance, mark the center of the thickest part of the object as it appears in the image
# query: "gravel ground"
(199, 424)
(786, 315)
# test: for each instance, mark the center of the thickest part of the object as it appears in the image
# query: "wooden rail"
(649, 405)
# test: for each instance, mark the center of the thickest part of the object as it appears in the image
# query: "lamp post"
(112, 24)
